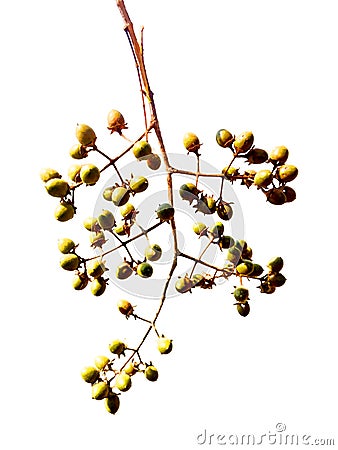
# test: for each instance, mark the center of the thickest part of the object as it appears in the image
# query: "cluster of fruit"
(271, 181)
(108, 377)
(108, 380)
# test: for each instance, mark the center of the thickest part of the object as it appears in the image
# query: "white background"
(265, 66)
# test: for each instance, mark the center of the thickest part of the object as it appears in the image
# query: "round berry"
(286, 173)
(241, 294)
(80, 281)
(153, 252)
(165, 212)
(112, 403)
(90, 374)
(224, 138)
(106, 219)
(243, 309)
(224, 210)
(123, 382)
(117, 347)
(101, 362)
(145, 270)
(191, 142)
(257, 156)
(164, 345)
(183, 285)
(85, 135)
(77, 151)
(263, 178)
(100, 390)
(95, 268)
(116, 121)
(123, 271)
(69, 262)
(141, 149)
(66, 245)
(275, 264)
(125, 307)
(138, 184)
(279, 154)
(243, 142)
(98, 286)
(89, 174)
(120, 196)
(57, 187)
(151, 373)
(200, 228)
(245, 267)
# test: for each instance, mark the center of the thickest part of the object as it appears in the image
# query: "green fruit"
(101, 362)
(66, 245)
(85, 135)
(279, 154)
(123, 271)
(48, 174)
(224, 138)
(241, 294)
(234, 254)
(95, 268)
(289, 193)
(183, 285)
(57, 187)
(141, 149)
(188, 192)
(243, 142)
(91, 224)
(276, 196)
(90, 374)
(257, 156)
(145, 270)
(276, 279)
(64, 211)
(200, 229)
(263, 178)
(97, 239)
(243, 309)
(224, 210)
(98, 286)
(275, 264)
(197, 280)
(138, 184)
(106, 219)
(89, 174)
(117, 347)
(127, 210)
(80, 281)
(125, 307)
(226, 242)
(69, 262)
(153, 252)
(151, 373)
(164, 345)
(257, 270)
(286, 173)
(123, 382)
(153, 161)
(165, 212)
(120, 196)
(245, 267)
(77, 151)
(107, 193)
(100, 390)
(116, 121)
(216, 230)
(191, 142)
(112, 403)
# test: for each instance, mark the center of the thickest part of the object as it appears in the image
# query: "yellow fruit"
(89, 174)
(85, 135)
(64, 211)
(49, 174)
(57, 187)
